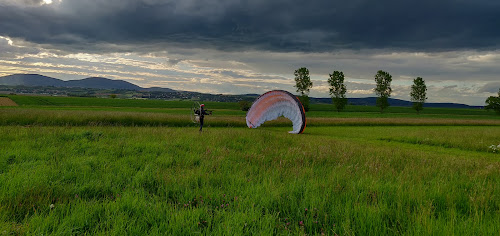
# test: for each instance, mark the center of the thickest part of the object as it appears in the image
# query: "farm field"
(145, 169)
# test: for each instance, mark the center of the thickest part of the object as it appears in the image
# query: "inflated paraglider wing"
(276, 103)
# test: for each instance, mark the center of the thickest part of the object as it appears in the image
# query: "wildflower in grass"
(494, 148)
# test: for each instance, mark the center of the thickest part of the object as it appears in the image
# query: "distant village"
(121, 93)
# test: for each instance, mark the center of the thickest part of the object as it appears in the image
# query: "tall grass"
(462, 138)
(139, 167)
(107, 118)
(130, 180)
(221, 118)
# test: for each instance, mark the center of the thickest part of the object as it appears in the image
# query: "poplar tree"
(338, 90)
(418, 94)
(303, 83)
(383, 89)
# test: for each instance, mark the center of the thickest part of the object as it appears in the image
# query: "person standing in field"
(202, 114)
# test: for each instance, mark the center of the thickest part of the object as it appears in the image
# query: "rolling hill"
(40, 80)
(30, 80)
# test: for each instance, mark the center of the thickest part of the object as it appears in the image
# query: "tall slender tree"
(303, 83)
(338, 90)
(383, 89)
(418, 94)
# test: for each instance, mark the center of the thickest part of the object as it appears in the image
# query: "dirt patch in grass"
(7, 102)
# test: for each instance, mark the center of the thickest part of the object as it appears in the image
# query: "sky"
(253, 46)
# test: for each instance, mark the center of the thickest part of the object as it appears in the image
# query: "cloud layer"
(278, 25)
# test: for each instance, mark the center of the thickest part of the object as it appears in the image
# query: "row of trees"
(338, 89)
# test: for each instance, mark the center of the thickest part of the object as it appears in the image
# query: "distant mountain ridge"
(91, 82)
(101, 83)
(30, 80)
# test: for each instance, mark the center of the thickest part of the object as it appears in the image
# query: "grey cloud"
(279, 25)
(450, 87)
(232, 74)
(490, 88)
(359, 86)
(173, 62)
(22, 2)
(10, 51)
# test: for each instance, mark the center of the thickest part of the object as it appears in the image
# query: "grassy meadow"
(116, 166)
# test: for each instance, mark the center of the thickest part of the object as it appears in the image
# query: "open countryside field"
(44, 110)
(111, 166)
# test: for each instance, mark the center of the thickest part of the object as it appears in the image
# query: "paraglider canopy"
(274, 104)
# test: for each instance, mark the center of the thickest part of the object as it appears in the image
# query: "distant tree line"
(338, 89)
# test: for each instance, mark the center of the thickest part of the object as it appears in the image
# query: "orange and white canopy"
(276, 103)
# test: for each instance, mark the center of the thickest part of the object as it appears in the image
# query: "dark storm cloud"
(279, 25)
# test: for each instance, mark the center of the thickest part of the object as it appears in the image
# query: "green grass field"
(144, 169)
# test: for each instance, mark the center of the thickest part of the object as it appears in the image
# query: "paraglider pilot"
(202, 112)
